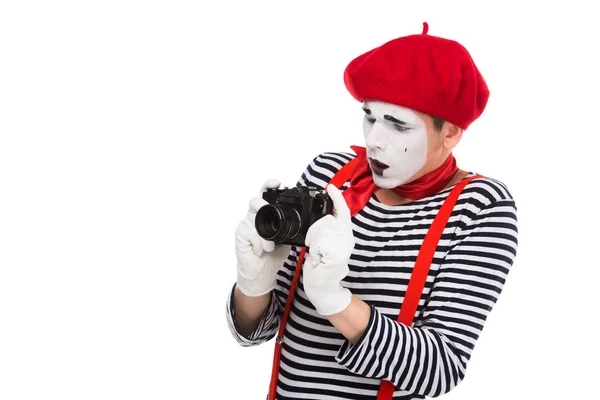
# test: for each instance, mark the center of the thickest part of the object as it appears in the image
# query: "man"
(342, 337)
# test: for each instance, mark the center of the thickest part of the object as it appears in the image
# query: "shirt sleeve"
(266, 329)
(430, 358)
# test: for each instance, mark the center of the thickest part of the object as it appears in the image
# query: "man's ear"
(452, 135)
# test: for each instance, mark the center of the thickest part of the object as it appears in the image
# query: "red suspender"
(338, 180)
(284, 317)
(344, 173)
(421, 269)
(415, 285)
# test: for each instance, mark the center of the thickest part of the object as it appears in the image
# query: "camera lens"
(277, 222)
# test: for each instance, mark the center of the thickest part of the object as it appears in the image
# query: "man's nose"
(375, 139)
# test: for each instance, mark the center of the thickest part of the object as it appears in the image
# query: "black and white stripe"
(470, 266)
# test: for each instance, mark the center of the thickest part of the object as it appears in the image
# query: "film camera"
(290, 212)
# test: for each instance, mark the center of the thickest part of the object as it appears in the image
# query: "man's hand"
(258, 260)
(330, 241)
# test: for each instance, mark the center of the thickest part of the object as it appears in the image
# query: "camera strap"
(415, 284)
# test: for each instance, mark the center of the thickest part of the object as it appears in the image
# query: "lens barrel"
(277, 223)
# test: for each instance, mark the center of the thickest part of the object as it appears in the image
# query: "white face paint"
(396, 142)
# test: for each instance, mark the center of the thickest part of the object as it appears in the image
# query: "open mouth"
(376, 164)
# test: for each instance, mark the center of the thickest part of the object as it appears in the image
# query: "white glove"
(331, 242)
(258, 260)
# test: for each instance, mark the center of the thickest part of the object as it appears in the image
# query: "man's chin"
(385, 183)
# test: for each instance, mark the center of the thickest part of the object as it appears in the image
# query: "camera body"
(290, 212)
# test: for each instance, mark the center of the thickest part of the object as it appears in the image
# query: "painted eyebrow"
(394, 120)
(387, 117)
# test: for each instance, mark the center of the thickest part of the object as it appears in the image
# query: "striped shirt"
(429, 358)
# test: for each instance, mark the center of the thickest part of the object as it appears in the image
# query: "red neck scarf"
(362, 185)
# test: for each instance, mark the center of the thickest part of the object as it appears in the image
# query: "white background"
(133, 134)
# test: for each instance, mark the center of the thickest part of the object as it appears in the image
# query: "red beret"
(433, 75)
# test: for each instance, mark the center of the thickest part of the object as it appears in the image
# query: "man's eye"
(401, 128)
(371, 120)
